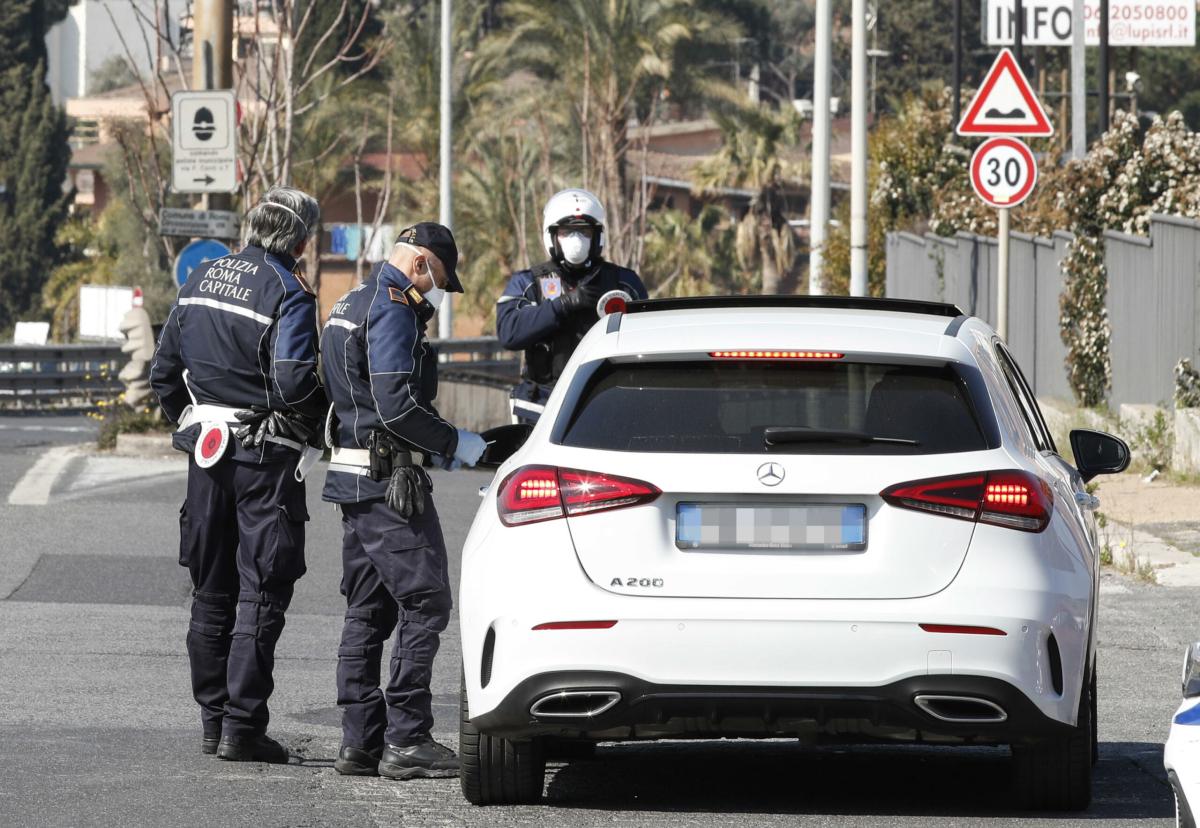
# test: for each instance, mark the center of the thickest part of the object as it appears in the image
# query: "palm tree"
(751, 158)
(688, 256)
(610, 60)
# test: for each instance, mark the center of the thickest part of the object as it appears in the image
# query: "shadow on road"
(778, 777)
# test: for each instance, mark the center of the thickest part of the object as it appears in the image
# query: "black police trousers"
(394, 576)
(241, 536)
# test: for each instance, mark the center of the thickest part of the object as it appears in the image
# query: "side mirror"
(1098, 453)
(1191, 671)
(503, 442)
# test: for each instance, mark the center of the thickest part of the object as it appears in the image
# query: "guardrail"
(41, 374)
(477, 360)
(38, 374)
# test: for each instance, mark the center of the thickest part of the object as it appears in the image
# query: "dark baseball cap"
(437, 238)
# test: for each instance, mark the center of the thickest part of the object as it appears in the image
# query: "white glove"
(470, 447)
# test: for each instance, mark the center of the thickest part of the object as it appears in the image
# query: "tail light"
(809, 355)
(535, 493)
(1014, 499)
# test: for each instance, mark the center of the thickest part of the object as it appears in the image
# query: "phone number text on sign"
(1003, 172)
(1130, 22)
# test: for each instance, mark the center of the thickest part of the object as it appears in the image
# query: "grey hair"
(282, 220)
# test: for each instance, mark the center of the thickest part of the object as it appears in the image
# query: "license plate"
(803, 527)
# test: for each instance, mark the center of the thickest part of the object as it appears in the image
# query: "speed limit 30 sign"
(1003, 171)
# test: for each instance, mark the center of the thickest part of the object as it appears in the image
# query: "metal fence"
(962, 270)
(37, 375)
(1153, 309)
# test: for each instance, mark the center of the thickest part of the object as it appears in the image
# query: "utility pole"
(956, 104)
(1078, 83)
(445, 203)
(1103, 66)
(1019, 33)
(212, 64)
(858, 149)
(819, 201)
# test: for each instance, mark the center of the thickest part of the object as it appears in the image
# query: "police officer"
(242, 337)
(382, 379)
(546, 311)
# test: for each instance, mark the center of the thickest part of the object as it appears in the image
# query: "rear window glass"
(809, 408)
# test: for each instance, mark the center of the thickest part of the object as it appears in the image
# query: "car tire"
(498, 771)
(1095, 718)
(1055, 773)
(1183, 812)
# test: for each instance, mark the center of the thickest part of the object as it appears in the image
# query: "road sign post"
(1003, 169)
(1002, 282)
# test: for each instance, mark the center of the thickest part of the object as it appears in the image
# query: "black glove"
(583, 298)
(258, 424)
(406, 492)
(253, 430)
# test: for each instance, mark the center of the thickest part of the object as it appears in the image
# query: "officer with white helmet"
(547, 310)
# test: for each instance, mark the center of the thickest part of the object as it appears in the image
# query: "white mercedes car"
(823, 518)
(1182, 754)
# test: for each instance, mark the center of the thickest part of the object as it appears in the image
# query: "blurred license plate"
(809, 526)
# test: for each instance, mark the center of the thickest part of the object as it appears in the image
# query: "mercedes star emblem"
(770, 474)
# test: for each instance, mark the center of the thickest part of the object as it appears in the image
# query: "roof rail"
(776, 301)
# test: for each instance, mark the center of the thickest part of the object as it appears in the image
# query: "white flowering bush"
(1187, 385)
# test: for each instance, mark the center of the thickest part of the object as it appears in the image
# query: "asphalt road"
(97, 726)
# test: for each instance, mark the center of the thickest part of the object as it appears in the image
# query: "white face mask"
(435, 294)
(575, 247)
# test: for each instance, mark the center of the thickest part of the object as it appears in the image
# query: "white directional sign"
(1003, 172)
(209, 224)
(204, 141)
(1130, 22)
(1005, 104)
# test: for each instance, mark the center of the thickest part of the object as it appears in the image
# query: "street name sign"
(212, 224)
(204, 141)
(1003, 171)
(1130, 22)
(1005, 104)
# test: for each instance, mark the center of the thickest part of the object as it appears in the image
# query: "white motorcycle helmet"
(573, 208)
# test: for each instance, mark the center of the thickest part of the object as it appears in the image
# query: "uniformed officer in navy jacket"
(547, 310)
(242, 338)
(381, 375)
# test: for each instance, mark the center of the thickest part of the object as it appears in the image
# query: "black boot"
(354, 761)
(208, 744)
(252, 749)
(426, 759)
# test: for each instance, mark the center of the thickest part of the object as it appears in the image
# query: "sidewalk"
(1158, 522)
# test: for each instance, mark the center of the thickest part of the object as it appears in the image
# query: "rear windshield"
(739, 407)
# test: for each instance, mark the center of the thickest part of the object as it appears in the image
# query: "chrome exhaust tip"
(574, 704)
(961, 709)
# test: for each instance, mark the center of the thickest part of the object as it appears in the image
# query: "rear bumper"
(643, 709)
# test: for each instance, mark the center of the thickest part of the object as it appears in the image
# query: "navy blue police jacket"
(242, 333)
(381, 375)
(530, 318)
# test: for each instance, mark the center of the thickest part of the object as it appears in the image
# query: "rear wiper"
(783, 435)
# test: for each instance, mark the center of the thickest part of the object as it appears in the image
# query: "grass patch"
(117, 418)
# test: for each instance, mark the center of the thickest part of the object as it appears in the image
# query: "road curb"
(144, 445)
